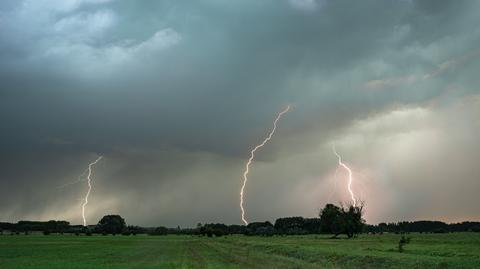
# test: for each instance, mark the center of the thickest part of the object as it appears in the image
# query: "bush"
(403, 241)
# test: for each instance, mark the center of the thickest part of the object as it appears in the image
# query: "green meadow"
(454, 250)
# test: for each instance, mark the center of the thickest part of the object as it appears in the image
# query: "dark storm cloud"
(231, 63)
(160, 87)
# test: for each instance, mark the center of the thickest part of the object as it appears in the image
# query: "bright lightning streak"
(252, 156)
(350, 175)
(89, 182)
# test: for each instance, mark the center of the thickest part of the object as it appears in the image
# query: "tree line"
(332, 219)
(423, 226)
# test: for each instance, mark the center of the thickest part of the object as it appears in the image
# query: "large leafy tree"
(111, 224)
(341, 220)
(330, 218)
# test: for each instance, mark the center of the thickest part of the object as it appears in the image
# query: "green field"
(461, 250)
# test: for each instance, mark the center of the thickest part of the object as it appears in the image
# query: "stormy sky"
(174, 94)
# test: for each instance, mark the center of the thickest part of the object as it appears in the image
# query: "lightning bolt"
(89, 183)
(350, 175)
(252, 156)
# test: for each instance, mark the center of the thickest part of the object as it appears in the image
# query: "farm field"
(458, 250)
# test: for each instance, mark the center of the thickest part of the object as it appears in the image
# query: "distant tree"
(236, 229)
(382, 227)
(312, 225)
(265, 231)
(330, 219)
(159, 231)
(6, 226)
(206, 230)
(112, 224)
(62, 226)
(422, 226)
(220, 229)
(260, 228)
(52, 226)
(214, 229)
(134, 230)
(352, 219)
(440, 231)
(290, 226)
(342, 220)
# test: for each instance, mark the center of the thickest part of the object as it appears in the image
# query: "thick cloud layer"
(175, 93)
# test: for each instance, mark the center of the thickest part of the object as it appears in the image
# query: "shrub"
(403, 241)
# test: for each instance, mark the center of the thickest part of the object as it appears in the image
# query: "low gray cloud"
(174, 94)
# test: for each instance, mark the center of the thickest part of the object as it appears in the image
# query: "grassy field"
(460, 250)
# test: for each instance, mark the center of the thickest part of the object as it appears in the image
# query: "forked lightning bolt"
(89, 183)
(252, 156)
(350, 175)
